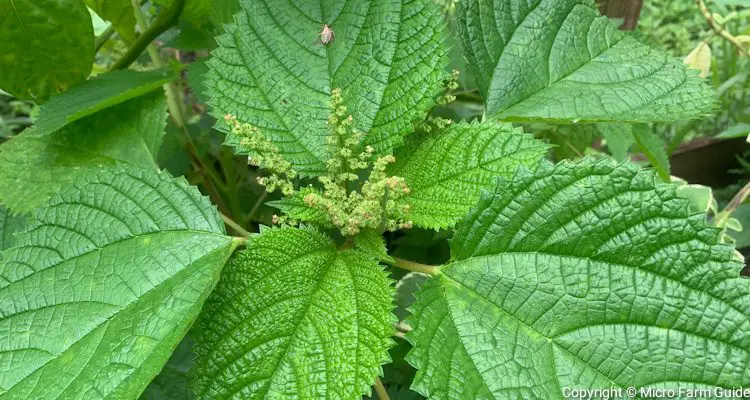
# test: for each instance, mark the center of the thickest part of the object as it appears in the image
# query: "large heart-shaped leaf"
(560, 60)
(48, 46)
(103, 285)
(272, 71)
(293, 317)
(584, 275)
(35, 166)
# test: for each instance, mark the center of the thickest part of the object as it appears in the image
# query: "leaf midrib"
(121, 307)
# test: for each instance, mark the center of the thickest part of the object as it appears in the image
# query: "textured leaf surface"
(34, 166)
(48, 46)
(119, 13)
(447, 171)
(583, 275)
(272, 71)
(294, 318)
(9, 226)
(560, 60)
(102, 287)
(97, 94)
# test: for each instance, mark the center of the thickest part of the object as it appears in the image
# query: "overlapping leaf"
(583, 275)
(559, 60)
(119, 13)
(447, 171)
(48, 46)
(34, 166)
(98, 94)
(294, 317)
(272, 71)
(103, 285)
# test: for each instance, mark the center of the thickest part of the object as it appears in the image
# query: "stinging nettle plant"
(584, 274)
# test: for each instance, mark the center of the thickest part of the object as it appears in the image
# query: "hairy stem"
(380, 390)
(167, 19)
(720, 29)
(416, 267)
(237, 227)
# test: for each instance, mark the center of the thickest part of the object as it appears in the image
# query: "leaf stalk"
(167, 19)
(416, 267)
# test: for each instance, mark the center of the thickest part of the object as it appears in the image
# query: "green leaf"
(195, 11)
(272, 71)
(581, 275)
(405, 290)
(739, 130)
(9, 225)
(48, 46)
(372, 243)
(104, 285)
(119, 12)
(293, 317)
(97, 94)
(619, 139)
(572, 141)
(173, 382)
(196, 73)
(653, 148)
(34, 166)
(222, 12)
(559, 60)
(447, 171)
(295, 207)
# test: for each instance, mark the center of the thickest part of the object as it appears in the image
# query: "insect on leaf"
(272, 71)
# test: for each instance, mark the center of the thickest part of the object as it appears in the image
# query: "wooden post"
(629, 10)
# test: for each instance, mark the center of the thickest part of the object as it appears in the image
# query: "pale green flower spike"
(374, 206)
(264, 154)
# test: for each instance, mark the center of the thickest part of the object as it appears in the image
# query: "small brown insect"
(327, 35)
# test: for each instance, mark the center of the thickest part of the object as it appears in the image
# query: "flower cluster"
(437, 124)
(263, 153)
(376, 204)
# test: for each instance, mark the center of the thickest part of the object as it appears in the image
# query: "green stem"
(237, 228)
(257, 205)
(380, 390)
(720, 29)
(416, 267)
(167, 19)
(173, 95)
(103, 38)
(733, 204)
